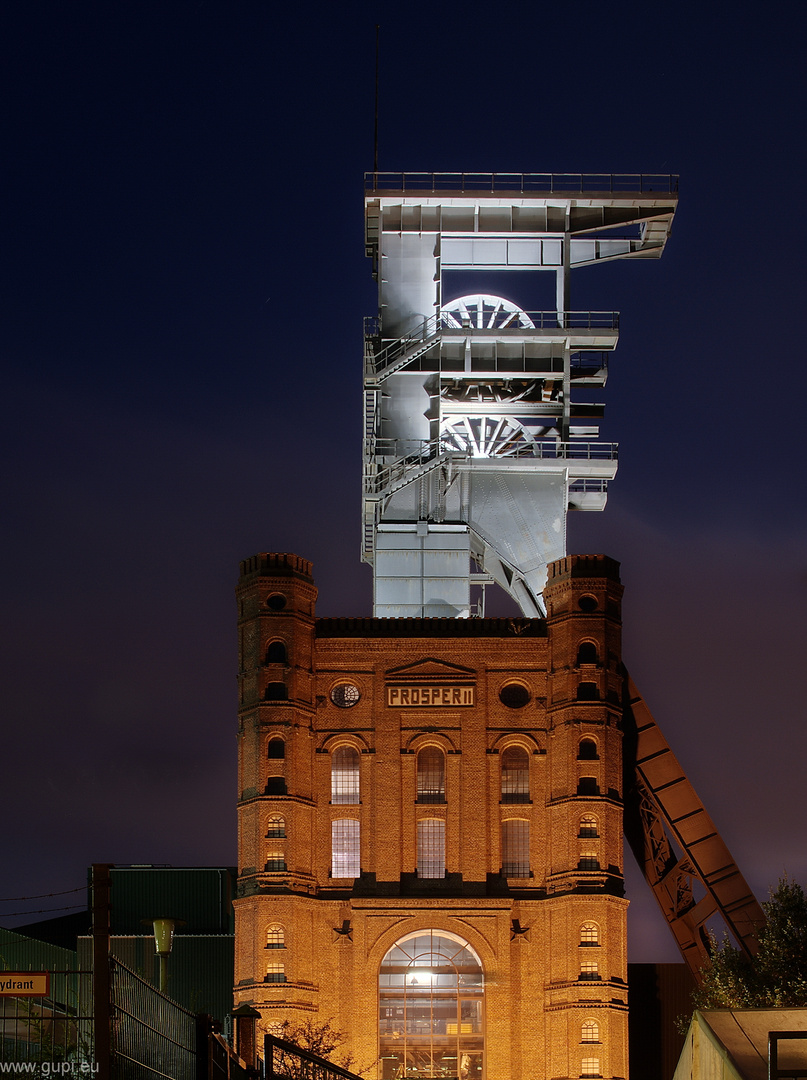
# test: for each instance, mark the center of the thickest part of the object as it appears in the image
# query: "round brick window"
(277, 601)
(514, 695)
(345, 695)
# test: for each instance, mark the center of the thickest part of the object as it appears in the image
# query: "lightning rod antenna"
(375, 137)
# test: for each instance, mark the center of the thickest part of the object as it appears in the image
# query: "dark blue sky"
(183, 289)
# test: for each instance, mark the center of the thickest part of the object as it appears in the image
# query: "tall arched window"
(431, 775)
(587, 750)
(589, 934)
(587, 653)
(516, 848)
(345, 776)
(345, 848)
(276, 653)
(589, 826)
(431, 848)
(515, 775)
(275, 937)
(431, 1007)
(590, 1031)
(276, 748)
(277, 827)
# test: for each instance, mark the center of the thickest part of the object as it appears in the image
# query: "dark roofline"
(429, 628)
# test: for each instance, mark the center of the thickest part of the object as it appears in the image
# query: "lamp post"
(163, 940)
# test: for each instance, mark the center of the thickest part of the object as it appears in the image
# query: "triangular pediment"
(429, 668)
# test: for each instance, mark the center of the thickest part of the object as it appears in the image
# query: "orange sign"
(24, 983)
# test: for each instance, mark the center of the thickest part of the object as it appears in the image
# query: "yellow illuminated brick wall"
(561, 708)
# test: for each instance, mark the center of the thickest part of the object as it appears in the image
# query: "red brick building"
(430, 828)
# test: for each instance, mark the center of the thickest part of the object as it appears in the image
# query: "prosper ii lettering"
(431, 696)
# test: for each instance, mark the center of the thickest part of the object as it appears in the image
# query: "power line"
(39, 911)
(41, 896)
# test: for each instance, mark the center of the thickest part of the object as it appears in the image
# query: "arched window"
(516, 848)
(345, 776)
(275, 861)
(589, 934)
(345, 848)
(276, 691)
(275, 937)
(587, 750)
(431, 848)
(515, 775)
(431, 1007)
(587, 691)
(275, 973)
(276, 748)
(277, 827)
(431, 775)
(276, 653)
(586, 653)
(590, 1067)
(590, 1031)
(589, 826)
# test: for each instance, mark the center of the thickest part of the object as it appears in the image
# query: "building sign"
(24, 983)
(429, 696)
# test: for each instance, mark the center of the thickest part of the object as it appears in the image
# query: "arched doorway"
(431, 1009)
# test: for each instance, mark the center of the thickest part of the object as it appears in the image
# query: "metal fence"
(286, 1061)
(50, 1033)
(152, 1036)
(528, 183)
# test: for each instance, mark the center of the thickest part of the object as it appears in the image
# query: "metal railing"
(525, 183)
(152, 1036)
(286, 1061)
(387, 352)
(417, 455)
(53, 1029)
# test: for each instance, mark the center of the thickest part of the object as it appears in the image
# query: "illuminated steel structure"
(473, 447)
(431, 810)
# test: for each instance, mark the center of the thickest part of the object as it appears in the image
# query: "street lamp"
(163, 940)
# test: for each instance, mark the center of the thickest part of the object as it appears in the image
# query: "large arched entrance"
(431, 1009)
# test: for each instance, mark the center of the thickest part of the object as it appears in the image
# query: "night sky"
(183, 292)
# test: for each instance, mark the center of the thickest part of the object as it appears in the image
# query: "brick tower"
(430, 828)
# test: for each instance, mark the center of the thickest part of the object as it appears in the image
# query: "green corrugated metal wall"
(201, 897)
(19, 953)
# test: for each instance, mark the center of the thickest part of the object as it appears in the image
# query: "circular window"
(588, 603)
(345, 694)
(277, 601)
(514, 695)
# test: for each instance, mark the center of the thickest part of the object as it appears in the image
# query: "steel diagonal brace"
(663, 813)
